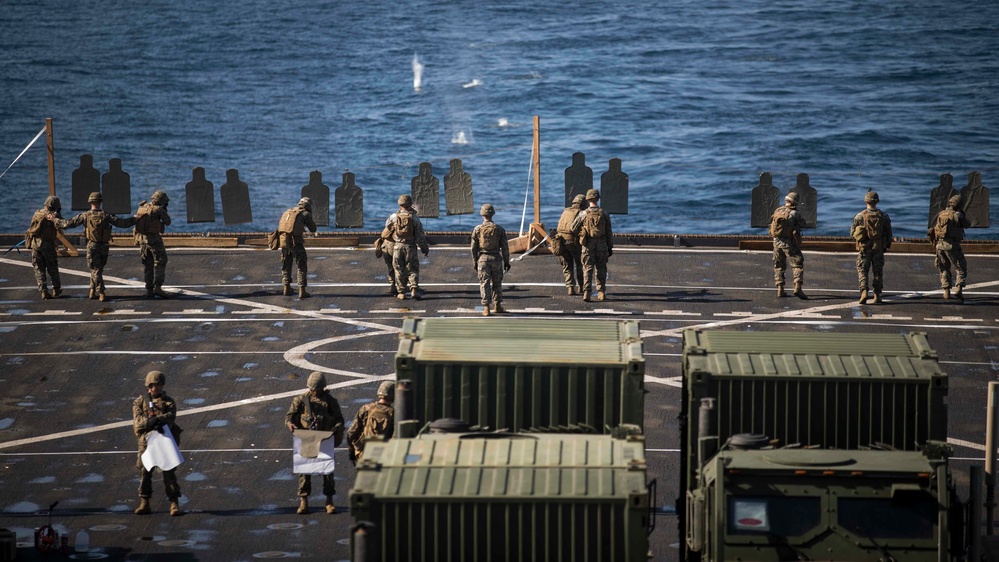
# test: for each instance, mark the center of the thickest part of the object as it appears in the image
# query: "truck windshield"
(782, 515)
(884, 518)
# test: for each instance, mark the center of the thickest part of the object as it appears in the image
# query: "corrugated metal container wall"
(524, 374)
(456, 497)
(835, 391)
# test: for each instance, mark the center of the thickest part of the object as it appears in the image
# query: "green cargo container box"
(500, 497)
(525, 374)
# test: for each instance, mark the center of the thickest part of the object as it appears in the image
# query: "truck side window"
(781, 515)
(884, 518)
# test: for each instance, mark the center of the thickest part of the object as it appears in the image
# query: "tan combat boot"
(586, 296)
(143, 508)
(863, 296)
(499, 309)
(571, 291)
(877, 298)
(101, 296)
(959, 293)
(46, 295)
(287, 290)
(302, 293)
(93, 294)
(601, 295)
(780, 291)
(415, 293)
(400, 296)
(56, 293)
(485, 310)
(330, 508)
(799, 293)
(946, 293)
(175, 509)
(303, 506)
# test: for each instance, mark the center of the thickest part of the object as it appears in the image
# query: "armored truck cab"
(780, 428)
(795, 504)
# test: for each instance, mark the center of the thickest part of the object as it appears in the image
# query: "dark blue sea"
(696, 98)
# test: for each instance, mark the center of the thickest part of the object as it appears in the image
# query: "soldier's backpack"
(593, 224)
(489, 237)
(870, 230)
(780, 223)
(144, 223)
(944, 229)
(378, 421)
(96, 228)
(404, 225)
(289, 223)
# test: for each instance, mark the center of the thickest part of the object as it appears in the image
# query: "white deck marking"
(296, 355)
(53, 313)
(191, 311)
(673, 313)
(954, 319)
(604, 311)
(734, 314)
(534, 310)
(397, 311)
(122, 312)
(885, 317)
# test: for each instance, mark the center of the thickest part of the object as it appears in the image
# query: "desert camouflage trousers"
(169, 483)
(594, 258)
(490, 270)
(97, 258)
(45, 261)
(945, 258)
(571, 259)
(406, 261)
(790, 255)
(867, 260)
(154, 260)
(297, 255)
(305, 485)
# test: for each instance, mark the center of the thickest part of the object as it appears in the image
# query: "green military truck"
(491, 496)
(815, 447)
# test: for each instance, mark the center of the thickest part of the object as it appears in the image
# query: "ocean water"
(697, 98)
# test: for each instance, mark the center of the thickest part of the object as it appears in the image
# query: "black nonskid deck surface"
(235, 351)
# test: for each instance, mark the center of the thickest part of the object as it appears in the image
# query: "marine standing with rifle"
(597, 243)
(151, 220)
(567, 246)
(785, 228)
(97, 230)
(41, 240)
(291, 231)
(491, 254)
(946, 235)
(871, 229)
(373, 419)
(406, 232)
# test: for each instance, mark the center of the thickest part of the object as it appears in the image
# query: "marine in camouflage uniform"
(317, 410)
(491, 254)
(595, 249)
(292, 244)
(150, 413)
(151, 248)
(871, 252)
(41, 240)
(385, 250)
(787, 248)
(571, 256)
(948, 247)
(361, 430)
(98, 235)
(404, 258)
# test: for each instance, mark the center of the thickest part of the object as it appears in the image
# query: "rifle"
(15, 247)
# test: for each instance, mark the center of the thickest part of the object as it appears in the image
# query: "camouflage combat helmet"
(954, 201)
(316, 381)
(386, 389)
(159, 198)
(305, 203)
(95, 197)
(155, 377)
(52, 203)
(792, 198)
(487, 210)
(871, 197)
(592, 195)
(405, 200)
(578, 200)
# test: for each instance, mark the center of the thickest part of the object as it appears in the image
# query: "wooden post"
(51, 153)
(50, 145)
(537, 169)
